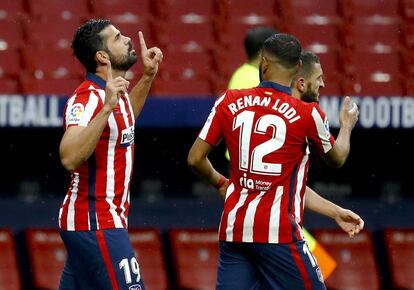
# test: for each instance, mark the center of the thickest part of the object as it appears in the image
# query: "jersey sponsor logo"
(76, 112)
(127, 137)
(135, 287)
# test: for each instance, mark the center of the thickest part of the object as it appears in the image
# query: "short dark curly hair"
(87, 41)
(285, 47)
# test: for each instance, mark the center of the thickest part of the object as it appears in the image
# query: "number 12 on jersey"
(254, 162)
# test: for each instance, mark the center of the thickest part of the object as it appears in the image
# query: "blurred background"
(366, 49)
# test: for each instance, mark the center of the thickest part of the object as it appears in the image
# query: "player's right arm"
(79, 142)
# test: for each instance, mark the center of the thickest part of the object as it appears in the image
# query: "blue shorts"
(251, 266)
(102, 259)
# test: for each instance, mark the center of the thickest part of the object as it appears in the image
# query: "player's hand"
(151, 58)
(348, 115)
(223, 189)
(115, 87)
(349, 221)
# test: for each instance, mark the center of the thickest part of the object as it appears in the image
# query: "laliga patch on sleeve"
(75, 114)
(326, 123)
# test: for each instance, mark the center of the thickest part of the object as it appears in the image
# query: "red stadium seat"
(181, 88)
(148, 246)
(233, 33)
(47, 256)
(227, 61)
(195, 257)
(51, 34)
(360, 8)
(313, 11)
(125, 10)
(11, 9)
(373, 38)
(9, 86)
(60, 64)
(318, 38)
(185, 37)
(186, 11)
(376, 84)
(59, 10)
(9, 63)
(356, 265)
(399, 245)
(11, 34)
(9, 272)
(187, 66)
(60, 87)
(237, 8)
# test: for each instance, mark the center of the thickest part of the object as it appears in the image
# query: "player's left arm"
(151, 59)
(202, 167)
(346, 219)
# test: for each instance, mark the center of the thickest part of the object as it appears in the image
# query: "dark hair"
(87, 41)
(254, 40)
(308, 60)
(285, 47)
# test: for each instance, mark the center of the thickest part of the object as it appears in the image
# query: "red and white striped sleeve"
(319, 134)
(81, 108)
(212, 130)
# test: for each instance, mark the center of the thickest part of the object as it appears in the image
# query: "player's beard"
(310, 96)
(123, 62)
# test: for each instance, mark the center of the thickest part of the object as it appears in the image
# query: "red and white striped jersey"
(267, 133)
(98, 195)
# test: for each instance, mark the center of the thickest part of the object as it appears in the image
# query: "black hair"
(308, 60)
(87, 41)
(254, 40)
(285, 47)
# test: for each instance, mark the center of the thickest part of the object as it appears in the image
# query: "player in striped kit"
(267, 132)
(98, 149)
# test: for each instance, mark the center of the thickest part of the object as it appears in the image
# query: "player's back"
(266, 131)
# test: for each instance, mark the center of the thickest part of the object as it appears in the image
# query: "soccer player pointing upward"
(267, 132)
(98, 149)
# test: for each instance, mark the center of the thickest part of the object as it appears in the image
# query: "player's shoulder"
(85, 91)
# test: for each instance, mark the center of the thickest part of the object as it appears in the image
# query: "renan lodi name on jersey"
(248, 101)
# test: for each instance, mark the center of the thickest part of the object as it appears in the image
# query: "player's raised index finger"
(142, 41)
(108, 71)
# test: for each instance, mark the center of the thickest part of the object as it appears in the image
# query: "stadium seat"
(181, 88)
(317, 38)
(232, 34)
(187, 66)
(185, 37)
(361, 8)
(11, 34)
(60, 87)
(47, 256)
(125, 10)
(399, 245)
(59, 33)
(376, 84)
(58, 10)
(60, 64)
(373, 38)
(9, 63)
(9, 86)
(11, 9)
(9, 272)
(365, 63)
(185, 11)
(311, 11)
(148, 246)
(356, 265)
(241, 8)
(195, 257)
